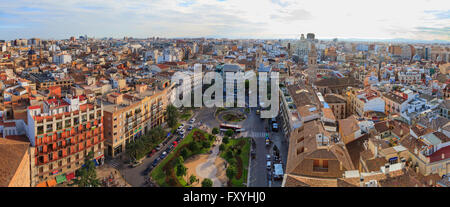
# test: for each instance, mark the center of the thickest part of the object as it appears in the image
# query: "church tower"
(312, 56)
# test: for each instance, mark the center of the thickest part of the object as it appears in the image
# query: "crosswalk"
(255, 134)
(114, 164)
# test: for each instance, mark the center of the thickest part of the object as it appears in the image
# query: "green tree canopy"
(172, 115)
(207, 182)
(87, 176)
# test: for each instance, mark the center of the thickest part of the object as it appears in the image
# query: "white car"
(192, 121)
(268, 157)
(182, 132)
(269, 166)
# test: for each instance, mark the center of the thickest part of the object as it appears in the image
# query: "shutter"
(325, 163)
(316, 163)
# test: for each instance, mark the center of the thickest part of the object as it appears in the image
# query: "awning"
(51, 183)
(70, 176)
(61, 178)
(43, 184)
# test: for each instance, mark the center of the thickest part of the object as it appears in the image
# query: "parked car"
(267, 157)
(147, 170)
(192, 121)
(182, 132)
(136, 163)
(152, 153)
(189, 128)
(163, 155)
(158, 147)
(175, 143)
(269, 165)
(155, 162)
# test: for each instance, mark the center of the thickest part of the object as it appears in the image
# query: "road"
(255, 127)
(135, 176)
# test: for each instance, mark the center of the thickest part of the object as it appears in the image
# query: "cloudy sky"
(376, 19)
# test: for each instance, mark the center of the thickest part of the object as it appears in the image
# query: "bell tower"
(312, 56)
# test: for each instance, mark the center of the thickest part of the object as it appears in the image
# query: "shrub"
(239, 167)
(229, 154)
(207, 183)
(205, 144)
(231, 171)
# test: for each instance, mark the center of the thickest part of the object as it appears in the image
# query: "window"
(320, 165)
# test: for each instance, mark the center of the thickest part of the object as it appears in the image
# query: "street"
(254, 126)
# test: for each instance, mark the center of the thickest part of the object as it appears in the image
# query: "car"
(189, 128)
(152, 153)
(269, 165)
(136, 163)
(267, 157)
(181, 126)
(147, 170)
(275, 127)
(163, 155)
(155, 162)
(258, 112)
(178, 139)
(182, 132)
(158, 147)
(192, 121)
(175, 143)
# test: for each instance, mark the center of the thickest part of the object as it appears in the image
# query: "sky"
(266, 19)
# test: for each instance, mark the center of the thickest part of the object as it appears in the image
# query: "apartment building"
(361, 101)
(129, 116)
(63, 131)
(47, 79)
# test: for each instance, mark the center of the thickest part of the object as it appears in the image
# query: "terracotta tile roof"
(441, 154)
(11, 154)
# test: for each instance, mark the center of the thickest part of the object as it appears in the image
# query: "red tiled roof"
(437, 156)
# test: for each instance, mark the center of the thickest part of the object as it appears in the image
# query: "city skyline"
(270, 19)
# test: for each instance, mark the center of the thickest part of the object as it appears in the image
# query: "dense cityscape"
(90, 111)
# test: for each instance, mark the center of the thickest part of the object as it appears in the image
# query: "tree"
(215, 130)
(222, 147)
(225, 140)
(207, 182)
(183, 152)
(172, 115)
(205, 144)
(229, 133)
(231, 172)
(87, 176)
(181, 170)
(193, 146)
(192, 179)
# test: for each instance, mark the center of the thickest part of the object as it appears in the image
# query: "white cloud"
(228, 18)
